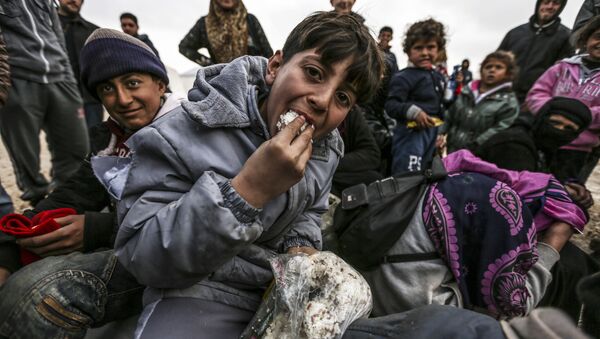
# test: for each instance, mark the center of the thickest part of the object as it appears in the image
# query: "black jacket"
(536, 49)
(82, 192)
(360, 163)
(197, 38)
(76, 31)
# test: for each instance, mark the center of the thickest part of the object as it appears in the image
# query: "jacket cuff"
(295, 242)
(98, 231)
(412, 112)
(548, 256)
(9, 256)
(241, 209)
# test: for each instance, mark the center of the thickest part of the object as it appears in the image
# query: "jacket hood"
(224, 88)
(533, 18)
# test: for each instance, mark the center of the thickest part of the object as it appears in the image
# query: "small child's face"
(593, 46)
(305, 85)
(423, 53)
(494, 73)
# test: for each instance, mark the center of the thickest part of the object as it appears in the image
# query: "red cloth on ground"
(20, 226)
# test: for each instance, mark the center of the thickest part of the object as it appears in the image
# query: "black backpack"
(372, 218)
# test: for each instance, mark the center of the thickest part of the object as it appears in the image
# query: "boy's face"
(342, 6)
(132, 99)
(384, 39)
(494, 73)
(593, 46)
(129, 26)
(423, 53)
(305, 85)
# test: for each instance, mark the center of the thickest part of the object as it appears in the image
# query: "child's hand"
(424, 121)
(302, 249)
(276, 165)
(65, 240)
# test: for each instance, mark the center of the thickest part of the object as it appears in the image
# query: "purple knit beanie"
(108, 53)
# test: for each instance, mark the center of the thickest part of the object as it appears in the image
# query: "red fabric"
(20, 226)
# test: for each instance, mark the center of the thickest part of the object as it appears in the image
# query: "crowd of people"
(454, 198)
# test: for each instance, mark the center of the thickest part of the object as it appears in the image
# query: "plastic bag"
(313, 297)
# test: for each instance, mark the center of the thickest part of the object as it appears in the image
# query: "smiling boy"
(215, 189)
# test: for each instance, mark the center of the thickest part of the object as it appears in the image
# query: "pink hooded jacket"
(564, 79)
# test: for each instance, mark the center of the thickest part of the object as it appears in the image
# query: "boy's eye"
(344, 99)
(105, 88)
(313, 72)
(133, 83)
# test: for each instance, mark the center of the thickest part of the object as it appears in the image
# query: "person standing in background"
(467, 75)
(6, 205)
(538, 44)
(386, 34)
(129, 25)
(227, 32)
(77, 30)
(44, 95)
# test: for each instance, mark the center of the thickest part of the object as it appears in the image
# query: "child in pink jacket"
(577, 77)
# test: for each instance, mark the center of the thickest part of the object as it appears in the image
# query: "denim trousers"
(63, 296)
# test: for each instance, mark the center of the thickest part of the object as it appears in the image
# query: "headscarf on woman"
(227, 31)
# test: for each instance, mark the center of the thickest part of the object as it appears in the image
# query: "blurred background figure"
(129, 25)
(77, 30)
(227, 32)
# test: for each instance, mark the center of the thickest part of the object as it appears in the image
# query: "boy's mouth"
(287, 118)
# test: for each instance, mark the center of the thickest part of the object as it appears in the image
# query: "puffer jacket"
(183, 230)
(472, 120)
(536, 48)
(565, 79)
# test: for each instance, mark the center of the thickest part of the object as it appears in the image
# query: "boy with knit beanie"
(130, 80)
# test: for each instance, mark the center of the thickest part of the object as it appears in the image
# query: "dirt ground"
(8, 181)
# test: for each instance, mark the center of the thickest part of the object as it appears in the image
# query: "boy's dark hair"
(507, 58)
(425, 30)
(586, 32)
(337, 37)
(130, 16)
(386, 29)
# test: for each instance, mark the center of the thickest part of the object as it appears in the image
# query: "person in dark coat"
(77, 30)
(588, 10)
(129, 25)
(227, 32)
(360, 163)
(538, 44)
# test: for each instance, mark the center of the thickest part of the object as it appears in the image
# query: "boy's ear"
(273, 67)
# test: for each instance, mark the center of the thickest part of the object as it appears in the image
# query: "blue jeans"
(63, 296)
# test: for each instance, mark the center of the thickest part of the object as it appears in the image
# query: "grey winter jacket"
(34, 40)
(184, 231)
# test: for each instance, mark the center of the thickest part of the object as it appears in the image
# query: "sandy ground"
(8, 181)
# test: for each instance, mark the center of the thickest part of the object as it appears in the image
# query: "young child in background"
(579, 78)
(416, 96)
(486, 108)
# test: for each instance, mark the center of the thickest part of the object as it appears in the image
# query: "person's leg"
(93, 114)
(574, 264)
(432, 321)
(192, 318)
(63, 296)
(65, 129)
(20, 123)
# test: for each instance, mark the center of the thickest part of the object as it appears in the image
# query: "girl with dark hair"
(486, 107)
